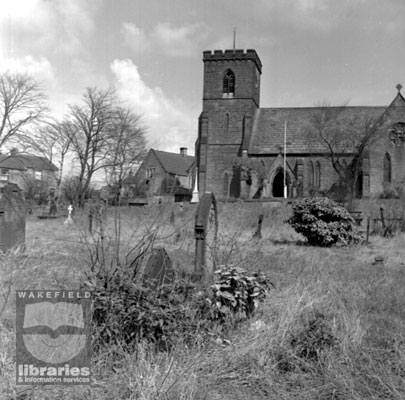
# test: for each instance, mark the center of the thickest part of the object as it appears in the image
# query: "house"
(245, 151)
(163, 174)
(31, 173)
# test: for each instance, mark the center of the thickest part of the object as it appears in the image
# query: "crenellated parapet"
(227, 55)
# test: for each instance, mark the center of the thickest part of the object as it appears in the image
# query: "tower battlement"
(227, 55)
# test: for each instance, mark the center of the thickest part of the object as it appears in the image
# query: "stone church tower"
(245, 151)
(230, 98)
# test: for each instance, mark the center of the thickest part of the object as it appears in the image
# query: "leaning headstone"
(172, 218)
(97, 213)
(53, 209)
(12, 217)
(258, 233)
(158, 269)
(206, 231)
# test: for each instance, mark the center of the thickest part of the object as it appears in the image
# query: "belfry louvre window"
(228, 83)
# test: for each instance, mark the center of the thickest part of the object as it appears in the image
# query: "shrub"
(126, 312)
(235, 292)
(323, 222)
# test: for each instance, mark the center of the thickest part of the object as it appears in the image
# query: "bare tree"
(89, 127)
(126, 147)
(345, 136)
(51, 140)
(22, 103)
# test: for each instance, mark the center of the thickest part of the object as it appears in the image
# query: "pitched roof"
(267, 135)
(174, 163)
(24, 161)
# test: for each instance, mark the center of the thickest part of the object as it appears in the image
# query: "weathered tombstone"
(53, 209)
(206, 231)
(12, 217)
(96, 211)
(258, 233)
(172, 218)
(52, 202)
(379, 261)
(159, 269)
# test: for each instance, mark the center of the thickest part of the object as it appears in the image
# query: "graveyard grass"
(333, 327)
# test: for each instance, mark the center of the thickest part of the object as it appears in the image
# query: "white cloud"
(310, 15)
(178, 40)
(172, 40)
(40, 68)
(169, 121)
(134, 37)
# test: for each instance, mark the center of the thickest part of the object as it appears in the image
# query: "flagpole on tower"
(234, 39)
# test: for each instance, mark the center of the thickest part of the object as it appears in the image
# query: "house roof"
(25, 161)
(268, 126)
(174, 163)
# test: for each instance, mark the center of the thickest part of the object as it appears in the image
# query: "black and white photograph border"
(226, 178)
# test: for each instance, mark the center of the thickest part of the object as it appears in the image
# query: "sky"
(150, 52)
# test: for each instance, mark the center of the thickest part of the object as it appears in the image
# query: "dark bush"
(237, 293)
(126, 312)
(323, 222)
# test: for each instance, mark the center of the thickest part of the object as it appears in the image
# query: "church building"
(245, 151)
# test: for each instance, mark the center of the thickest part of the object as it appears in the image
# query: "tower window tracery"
(228, 87)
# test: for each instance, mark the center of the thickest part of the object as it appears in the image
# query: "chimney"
(183, 151)
(13, 151)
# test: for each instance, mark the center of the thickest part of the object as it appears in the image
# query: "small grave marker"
(159, 269)
(12, 217)
(97, 213)
(258, 233)
(206, 232)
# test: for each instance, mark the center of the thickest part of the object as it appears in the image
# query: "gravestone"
(206, 232)
(158, 269)
(258, 233)
(97, 212)
(12, 217)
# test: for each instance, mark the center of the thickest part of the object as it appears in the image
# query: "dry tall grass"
(332, 329)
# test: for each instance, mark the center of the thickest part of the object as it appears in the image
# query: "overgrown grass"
(334, 327)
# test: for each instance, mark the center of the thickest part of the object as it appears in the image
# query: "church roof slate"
(174, 163)
(267, 135)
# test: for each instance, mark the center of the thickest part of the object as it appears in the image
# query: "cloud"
(40, 68)
(134, 37)
(178, 40)
(171, 40)
(310, 15)
(170, 123)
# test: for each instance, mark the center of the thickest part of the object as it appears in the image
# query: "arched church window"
(228, 87)
(317, 177)
(387, 168)
(311, 174)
